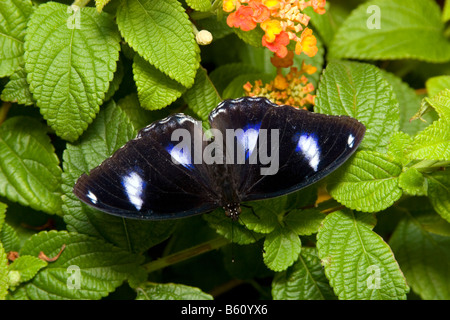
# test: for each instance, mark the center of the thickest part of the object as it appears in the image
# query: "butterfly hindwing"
(152, 176)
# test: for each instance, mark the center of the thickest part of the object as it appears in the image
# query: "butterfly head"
(232, 210)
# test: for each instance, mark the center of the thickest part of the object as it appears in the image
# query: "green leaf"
(9, 238)
(160, 31)
(439, 192)
(437, 84)
(110, 130)
(70, 66)
(155, 89)
(3, 273)
(27, 266)
(202, 97)
(412, 182)
(304, 222)
(17, 89)
(446, 11)
(88, 268)
(282, 248)
(138, 116)
(328, 23)
(199, 5)
(433, 143)
(230, 229)
(390, 31)
(409, 103)
(441, 103)
(14, 15)
(360, 91)
(367, 182)
(305, 280)
(398, 145)
(223, 75)
(424, 258)
(29, 168)
(252, 37)
(358, 263)
(170, 291)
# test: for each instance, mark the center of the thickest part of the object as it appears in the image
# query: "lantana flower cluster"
(293, 89)
(281, 20)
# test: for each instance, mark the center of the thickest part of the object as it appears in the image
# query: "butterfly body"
(259, 151)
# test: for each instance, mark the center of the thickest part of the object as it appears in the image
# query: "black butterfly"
(267, 151)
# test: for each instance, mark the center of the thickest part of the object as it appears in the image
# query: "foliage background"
(72, 96)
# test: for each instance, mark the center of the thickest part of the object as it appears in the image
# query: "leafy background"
(72, 95)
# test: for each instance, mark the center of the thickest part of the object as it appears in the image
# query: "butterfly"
(254, 150)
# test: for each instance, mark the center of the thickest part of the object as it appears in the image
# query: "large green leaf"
(29, 168)
(3, 273)
(282, 247)
(170, 291)
(424, 257)
(432, 143)
(70, 66)
(393, 29)
(305, 280)
(202, 97)
(155, 89)
(358, 263)
(360, 91)
(17, 89)
(160, 31)
(367, 182)
(88, 268)
(14, 15)
(439, 192)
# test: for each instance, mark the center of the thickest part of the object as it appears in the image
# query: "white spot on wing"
(134, 188)
(351, 140)
(308, 145)
(92, 197)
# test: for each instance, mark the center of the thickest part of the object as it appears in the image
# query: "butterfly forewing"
(153, 176)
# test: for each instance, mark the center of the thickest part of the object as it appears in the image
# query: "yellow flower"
(229, 5)
(272, 28)
(306, 43)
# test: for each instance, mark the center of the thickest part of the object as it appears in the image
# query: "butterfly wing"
(153, 176)
(302, 147)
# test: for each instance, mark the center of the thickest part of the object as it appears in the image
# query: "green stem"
(80, 3)
(426, 165)
(185, 254)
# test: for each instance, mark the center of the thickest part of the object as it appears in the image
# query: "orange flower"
(278, 45)
(306, 43)
(280, 82)
(260, 12)
(285, 62)
(318, 6)
(242, 18)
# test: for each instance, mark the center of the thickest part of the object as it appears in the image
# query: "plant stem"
(185, 254)
(4, 111)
